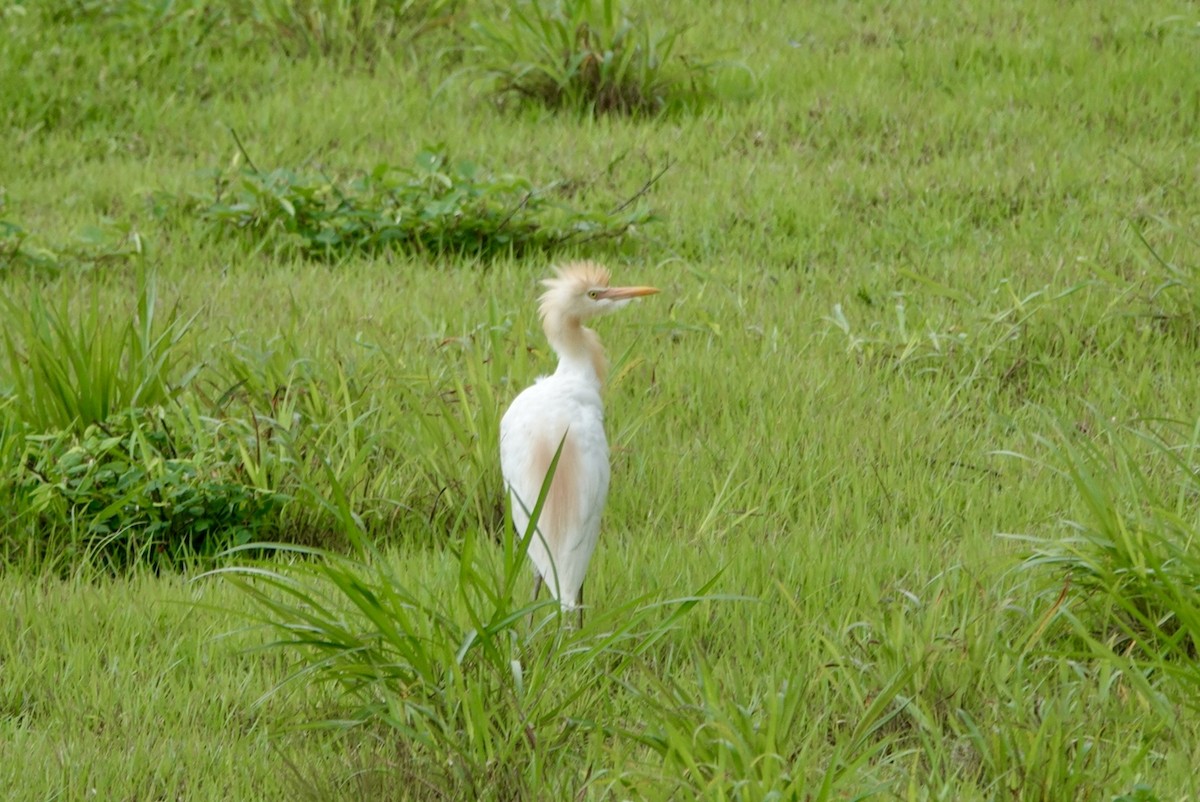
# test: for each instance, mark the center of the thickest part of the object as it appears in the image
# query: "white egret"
(564, 408)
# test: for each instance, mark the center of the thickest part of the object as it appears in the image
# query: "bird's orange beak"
(625, 293)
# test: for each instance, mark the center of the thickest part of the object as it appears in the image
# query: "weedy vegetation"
(93, 246)
(905, 454)
(1132, 561)
(72, 366)
(587, 56)
(439, 206)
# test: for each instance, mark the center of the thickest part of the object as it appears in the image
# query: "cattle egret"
(564, 409)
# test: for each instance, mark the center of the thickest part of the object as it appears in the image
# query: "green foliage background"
(915, 412)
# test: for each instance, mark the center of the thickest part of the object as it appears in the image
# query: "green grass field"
(905, 454)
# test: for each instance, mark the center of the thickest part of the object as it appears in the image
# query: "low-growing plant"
(586, 55)
(1130, 563)
(143, 486)
(303, 420)
(68, 368)
(439, 206)
(464, 677)
(105, 244)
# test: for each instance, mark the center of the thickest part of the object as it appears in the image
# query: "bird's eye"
(593, 294)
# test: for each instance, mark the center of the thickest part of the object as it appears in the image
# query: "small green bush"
(585, 55)
(439, 205)
(144, 486)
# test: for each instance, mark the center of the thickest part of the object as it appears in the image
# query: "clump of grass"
(586, 55)
(468, 680)
(437, 206)
(69, 368)
(142, 487)
(1130, 564)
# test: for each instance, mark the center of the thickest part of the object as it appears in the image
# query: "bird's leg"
(537, 588)
(581, 606)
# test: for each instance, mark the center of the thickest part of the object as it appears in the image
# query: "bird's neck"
(578, 348)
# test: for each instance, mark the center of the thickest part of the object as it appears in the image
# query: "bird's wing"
(526, 431)
(531, 432)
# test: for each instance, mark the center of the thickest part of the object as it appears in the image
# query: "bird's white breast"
(557, 402)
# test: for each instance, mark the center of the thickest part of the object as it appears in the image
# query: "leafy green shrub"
(70, 368)
(437, 206)
(143, 486)
(585, 55)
